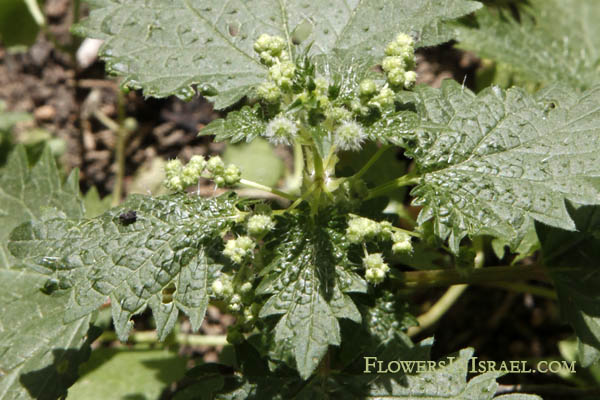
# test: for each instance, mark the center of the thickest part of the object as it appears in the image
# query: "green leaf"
(94, 205)
(491, 163)
(169, 50)
(39, 354)
(257, 161)
(246, 124)
(572, 261)
(17, 26)
(149, 372)
(27, 194)
(307, 280)
(8, 119)
(447, 381)
(173, 244)
(555, 40)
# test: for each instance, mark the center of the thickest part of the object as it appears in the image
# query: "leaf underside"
(169, 48)
(553, 41)
(307, 281)
(492, 163)
(173, 245)
(39, 353)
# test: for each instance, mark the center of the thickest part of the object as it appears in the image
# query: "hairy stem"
(436, 311)
(372, 161)
(36, 13)
(120, 148)
(406, 180)
(521, 287)
(180, 338)
(449, 277)
(269, 189)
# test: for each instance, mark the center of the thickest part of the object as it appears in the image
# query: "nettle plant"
(315, 280)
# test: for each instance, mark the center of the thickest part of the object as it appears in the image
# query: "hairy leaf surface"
(492, 163)
(573, 260)
(26, 194)
(554, 41)
(39, 354)
(173, 244)
(168, 48)
(246, 124)
(307, 280)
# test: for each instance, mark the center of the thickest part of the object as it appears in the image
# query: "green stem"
(521, 287)
(405, 180)
(120, 148)
(372, 161)
(76, 11)
(487, 275)
(36, 13)
(269, 189)
(436, 311)
(181, 338)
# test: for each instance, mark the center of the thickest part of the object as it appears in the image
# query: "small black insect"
(128, 217)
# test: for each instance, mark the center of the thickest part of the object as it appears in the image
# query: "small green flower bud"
(222, 287)
(173, 167)
(367, 88)
(174, 183)
(258, 225)
(236, 298)
(189, 176)
(402, 243)
(130, 124)
(393, 63)
(282, 73)
(396, 77)
(374, 260)
(197, 164)
(272, 45)
(238, 249)
(215, 166)
(281, 130)
(360, 228)
(384, 99)
(246, 287)
(375, 268)
(410, 78)
(349, 136)
(232, 175)
(386, 229)
(269, 92)
(337, 114)
(402, 46)
(219, 181)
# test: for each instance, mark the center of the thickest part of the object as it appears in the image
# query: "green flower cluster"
(281, 69)
(298, 97)
(259, 225)
(399, 62)
(239, 299)
(239, 249)
(375, 268)
(179, 177)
